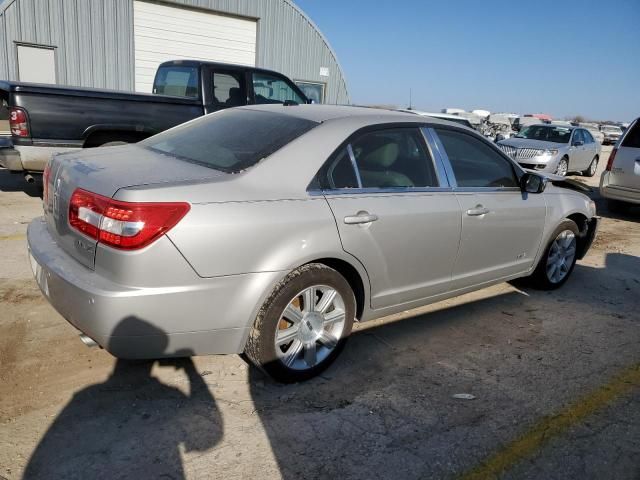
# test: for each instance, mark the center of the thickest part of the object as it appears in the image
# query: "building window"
(313, 91)
(36, 63)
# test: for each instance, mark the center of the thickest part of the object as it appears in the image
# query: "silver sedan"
(269, 230)
(555, 149)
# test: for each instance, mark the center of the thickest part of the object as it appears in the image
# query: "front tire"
(304, 324)
(593, 167)
(559, 258)
(563, 167)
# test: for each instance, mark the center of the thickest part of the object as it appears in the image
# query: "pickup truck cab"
(48, 119)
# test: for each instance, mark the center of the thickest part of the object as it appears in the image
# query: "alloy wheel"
(310, 327)
(593, 167)
(563, 167)
(561, 256)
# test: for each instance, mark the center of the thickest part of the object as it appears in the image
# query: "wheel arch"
(352, 276)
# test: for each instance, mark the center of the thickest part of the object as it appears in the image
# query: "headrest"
(383, 156)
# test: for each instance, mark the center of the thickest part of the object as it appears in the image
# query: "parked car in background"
(47, 119)
(611, 134)
(442, 116)
(522, 122)
(554, 149)
(194, 231)
(620, 182)
(594, 130)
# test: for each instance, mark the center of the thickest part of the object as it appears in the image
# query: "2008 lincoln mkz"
(270, 229)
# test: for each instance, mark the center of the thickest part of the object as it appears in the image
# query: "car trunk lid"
(104, 171)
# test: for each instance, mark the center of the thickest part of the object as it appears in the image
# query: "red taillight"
(18, 122)
(123, 225)
(612, 157)
(45, 185)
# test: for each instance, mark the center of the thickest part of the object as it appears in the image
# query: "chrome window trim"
(444, 158)
(436, 158)
(377, 191)
(354, 164)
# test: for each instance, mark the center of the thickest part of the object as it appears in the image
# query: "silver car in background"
(270, 229)
(620, 182)
(611, 134)
(554, 149)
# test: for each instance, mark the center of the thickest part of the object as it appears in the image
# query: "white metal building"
(119, 43)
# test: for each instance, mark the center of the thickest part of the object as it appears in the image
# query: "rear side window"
(392, 158)
(587, 136)
(230, 140)
(176, 81)
(228, 89)
(632, 138)
(474, 163)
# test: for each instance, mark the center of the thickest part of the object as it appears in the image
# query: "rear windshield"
(176, 81)
(230, 140)
(632, 138)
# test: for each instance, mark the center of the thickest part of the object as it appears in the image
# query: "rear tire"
(545, 276)
(593, 167)
(293, 338)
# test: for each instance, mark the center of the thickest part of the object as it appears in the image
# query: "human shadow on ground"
(130, 426)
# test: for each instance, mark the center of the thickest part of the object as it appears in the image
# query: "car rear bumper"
(33, 158)
(134, 322)
(618, 192)
(10, 159)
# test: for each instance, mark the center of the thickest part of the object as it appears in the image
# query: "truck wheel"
(304, 324)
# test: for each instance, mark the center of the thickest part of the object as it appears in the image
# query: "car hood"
(527, 143)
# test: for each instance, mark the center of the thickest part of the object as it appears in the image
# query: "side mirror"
(578, 143)
(532, 183)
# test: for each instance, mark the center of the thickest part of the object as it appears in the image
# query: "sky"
(562, 57)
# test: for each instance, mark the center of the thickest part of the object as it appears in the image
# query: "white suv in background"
(620, 182)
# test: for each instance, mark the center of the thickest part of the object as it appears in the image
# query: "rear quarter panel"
(232, 238)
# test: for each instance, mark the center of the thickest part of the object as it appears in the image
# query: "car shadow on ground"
(336, 425)
(15, 182)
(121, 429)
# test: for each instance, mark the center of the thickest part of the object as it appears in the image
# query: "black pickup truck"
(47, 119)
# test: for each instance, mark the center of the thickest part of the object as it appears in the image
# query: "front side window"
(474, 163)
(176, 81)
(228, 90)
(273, 89)
(230, 140)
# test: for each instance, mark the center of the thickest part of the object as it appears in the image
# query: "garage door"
(164, 33)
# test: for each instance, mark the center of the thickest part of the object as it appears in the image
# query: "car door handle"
(359, 218)
(477, 211)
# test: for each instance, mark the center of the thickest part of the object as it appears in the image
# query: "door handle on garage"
(361, 217)
(477, 211)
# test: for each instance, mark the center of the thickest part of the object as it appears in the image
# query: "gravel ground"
(555, 376)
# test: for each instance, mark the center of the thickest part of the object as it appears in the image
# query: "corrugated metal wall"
(94, 40)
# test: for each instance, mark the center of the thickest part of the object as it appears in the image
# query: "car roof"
(323, 113)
